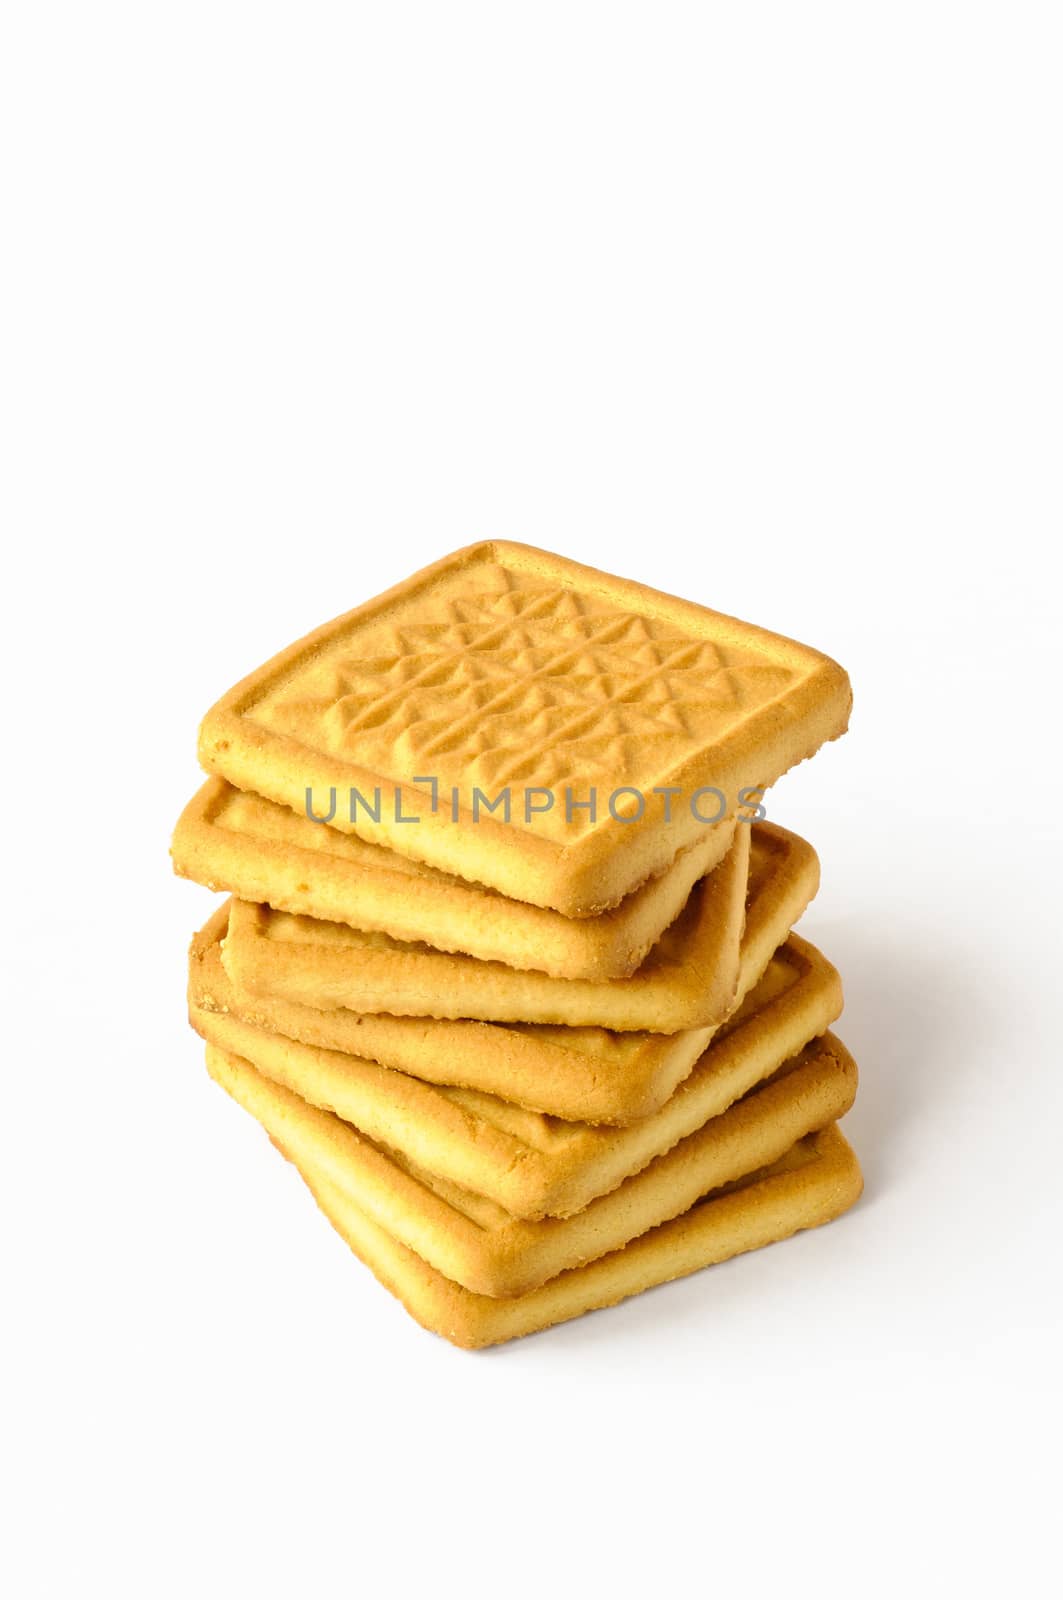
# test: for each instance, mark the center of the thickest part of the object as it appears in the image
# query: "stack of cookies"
(508, 971)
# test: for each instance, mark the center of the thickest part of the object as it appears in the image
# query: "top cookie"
(515, 718)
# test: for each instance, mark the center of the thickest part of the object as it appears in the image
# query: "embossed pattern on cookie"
(503, 669)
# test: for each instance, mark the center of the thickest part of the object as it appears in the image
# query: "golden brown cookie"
(582, 1074)
(476, 1243)
(504, 671)
(263, 852)
(530, 1164)
(816, 1180)
(688, 980)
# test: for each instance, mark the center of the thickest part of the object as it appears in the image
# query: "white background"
(759, 304)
